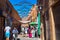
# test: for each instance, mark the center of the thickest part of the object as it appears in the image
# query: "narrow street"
(30, 19)
(27, 38)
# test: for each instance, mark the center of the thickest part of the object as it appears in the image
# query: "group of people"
(30, 32)
(8, 34)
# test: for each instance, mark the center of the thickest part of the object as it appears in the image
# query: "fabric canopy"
(33, 23)
(24, 21)
(39, 23)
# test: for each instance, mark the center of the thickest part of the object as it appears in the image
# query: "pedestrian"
(7, 32)
(19, 29)
(29, 32)
(22, 30)
(26, 31)
(33, 32)
(15, 33)
(36, 32)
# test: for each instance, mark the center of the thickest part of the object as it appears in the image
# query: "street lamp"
(40, 7)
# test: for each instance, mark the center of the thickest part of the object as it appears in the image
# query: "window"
(0, 12)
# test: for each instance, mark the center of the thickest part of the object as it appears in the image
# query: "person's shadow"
(4, 36)
(18, 39)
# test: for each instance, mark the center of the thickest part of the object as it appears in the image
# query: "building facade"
(50, 17)
(33, 14)
(7, 16)
(54, 18)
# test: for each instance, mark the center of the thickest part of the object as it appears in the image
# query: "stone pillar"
(42, 32)
(52, 25)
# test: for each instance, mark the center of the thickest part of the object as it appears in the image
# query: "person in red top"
(29, 32)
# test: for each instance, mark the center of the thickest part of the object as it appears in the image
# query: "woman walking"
(33, 32)
(15, 33)
(29, 32)
(7, 32)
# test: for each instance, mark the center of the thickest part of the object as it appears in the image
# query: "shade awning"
(33, 23)
(24, 21)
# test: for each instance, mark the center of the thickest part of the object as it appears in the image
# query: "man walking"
(15, 33)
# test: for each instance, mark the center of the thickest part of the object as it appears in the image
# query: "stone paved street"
(27, 38)
(21, 38)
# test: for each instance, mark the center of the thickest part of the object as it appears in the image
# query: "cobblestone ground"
(27, 38)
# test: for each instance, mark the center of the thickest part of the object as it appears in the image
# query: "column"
(52, 25)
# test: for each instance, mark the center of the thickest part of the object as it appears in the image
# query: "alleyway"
(27, 38)
(30, 19)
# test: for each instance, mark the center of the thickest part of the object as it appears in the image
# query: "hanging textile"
(39, 23)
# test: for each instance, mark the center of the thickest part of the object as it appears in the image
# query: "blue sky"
(23, 6)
